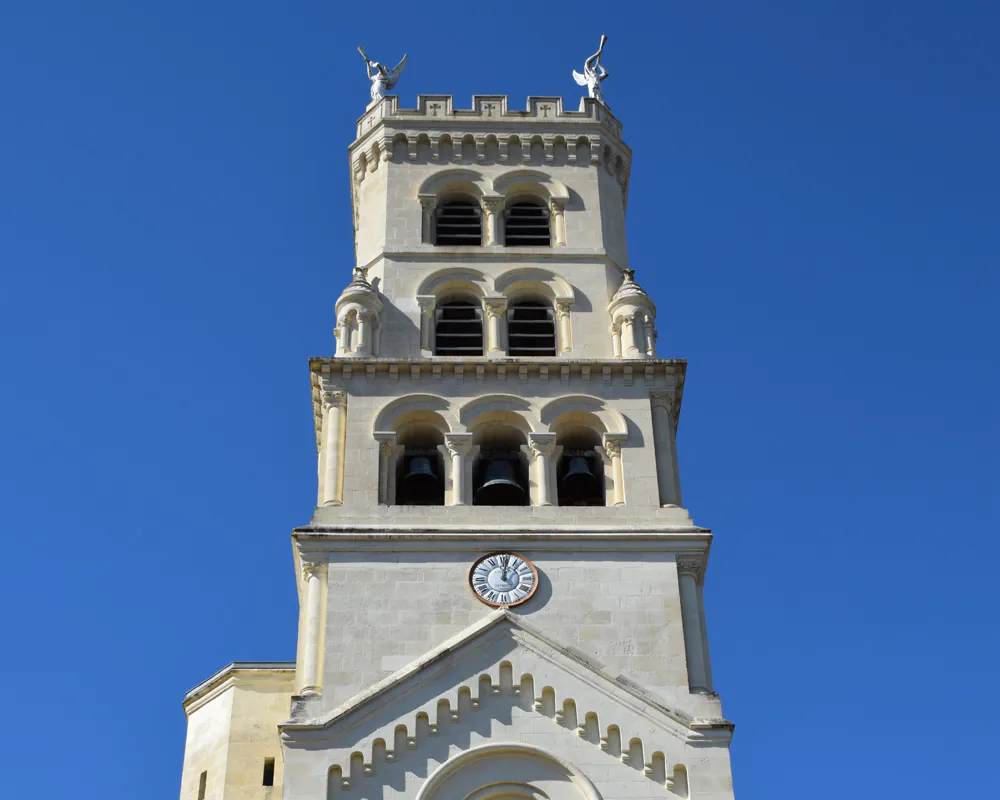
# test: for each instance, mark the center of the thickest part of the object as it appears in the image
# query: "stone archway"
(507, 772)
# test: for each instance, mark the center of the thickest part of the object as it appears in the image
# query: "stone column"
(459, 446)
(662, 404)
(613, 449)
(647, 327)
(427, 302)
(542, 447)
(494, 309)
(563, 309)
(428, 204)
(492, 210)
(557, 222)
(629, 348)
(388, 452)
(333, 442)
(364, 334)
(688, 572)
(616, 338)
(313, 578)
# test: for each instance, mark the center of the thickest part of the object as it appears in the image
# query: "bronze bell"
(579, 484)
(500, 486)
(420, 485)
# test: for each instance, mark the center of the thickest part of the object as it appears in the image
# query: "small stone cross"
(489, 108)
(434, 108)
(544, 110)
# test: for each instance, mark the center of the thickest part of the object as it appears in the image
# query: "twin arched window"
(460, 222)
(458, 328)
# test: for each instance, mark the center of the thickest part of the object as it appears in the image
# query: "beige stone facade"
(493, 335)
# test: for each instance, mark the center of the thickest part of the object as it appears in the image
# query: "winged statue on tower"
(382, 79)
(593, 74)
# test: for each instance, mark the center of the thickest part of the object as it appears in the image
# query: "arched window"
(527, 224)
(420, 467)
(500, 473)
(580, 472)
(458, 222)
(531, 329)
(458, 329)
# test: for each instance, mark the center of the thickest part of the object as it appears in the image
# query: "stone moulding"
(232, 674)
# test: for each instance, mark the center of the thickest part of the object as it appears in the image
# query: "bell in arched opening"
(579, 484)
(500, 486)
(420, 484)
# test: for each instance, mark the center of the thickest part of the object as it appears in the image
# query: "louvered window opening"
(459, 330)
(459, 224)
(531, 330)
(527, 226)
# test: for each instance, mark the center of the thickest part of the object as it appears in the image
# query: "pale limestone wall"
(207, 748)
(385, 608)
(232, 728)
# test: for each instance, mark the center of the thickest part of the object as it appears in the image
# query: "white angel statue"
(593, 74)
(382, 80)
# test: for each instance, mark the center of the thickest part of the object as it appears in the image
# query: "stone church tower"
(500, 588)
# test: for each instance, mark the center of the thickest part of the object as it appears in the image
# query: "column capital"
(494, 306)
(493, 205)
(613, 444)
(458, 444)
(557, 205)
(541, 445)
(692, 565)
(427, 302)
(662, 400)
(312, 569)
(334, 397)
(386, 442)
(428, 202)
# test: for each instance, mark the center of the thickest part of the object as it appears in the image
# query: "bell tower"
(500, 588)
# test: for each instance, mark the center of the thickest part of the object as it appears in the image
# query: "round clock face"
(503, 579)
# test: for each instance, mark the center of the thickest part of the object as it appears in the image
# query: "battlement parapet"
(490, 132)
(488, 110)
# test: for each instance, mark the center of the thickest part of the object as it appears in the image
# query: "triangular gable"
(503, 655)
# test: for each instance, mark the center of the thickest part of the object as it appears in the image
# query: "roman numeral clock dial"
(503, 579)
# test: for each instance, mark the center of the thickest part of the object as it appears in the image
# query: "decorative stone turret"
(359, 318)
(633, 317)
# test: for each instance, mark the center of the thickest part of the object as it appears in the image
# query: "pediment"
(504, 678)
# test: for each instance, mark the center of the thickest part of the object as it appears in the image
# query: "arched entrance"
(507, 772)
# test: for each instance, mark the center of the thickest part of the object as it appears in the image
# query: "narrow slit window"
(269, 772)
(531, 330)
(527, 225)
(458, 223)
(459, 329)
(202, 785)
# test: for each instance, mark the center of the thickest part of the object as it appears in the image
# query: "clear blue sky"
(814, 207)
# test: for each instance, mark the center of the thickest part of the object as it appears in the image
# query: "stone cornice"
(234, 673)
(317, 541)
